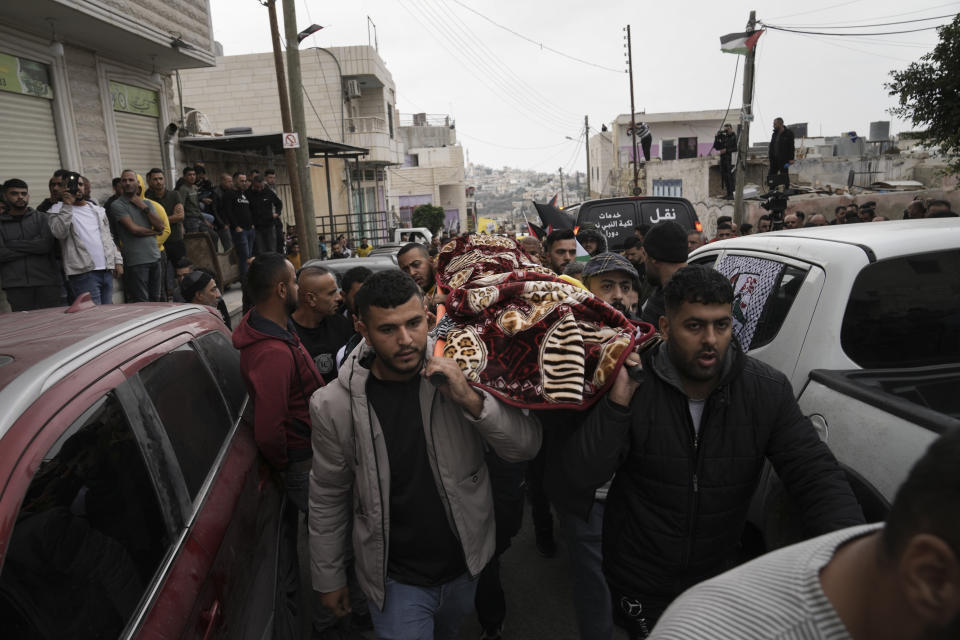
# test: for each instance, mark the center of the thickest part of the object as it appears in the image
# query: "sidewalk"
(234, 301)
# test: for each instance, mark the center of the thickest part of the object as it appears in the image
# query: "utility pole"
(586, 126)
(746, 115)
(290, 155)
(311, 249)
(563, 191)
(633, 116)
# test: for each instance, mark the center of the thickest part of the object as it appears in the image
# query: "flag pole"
(746, 116)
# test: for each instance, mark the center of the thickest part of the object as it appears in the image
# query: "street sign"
(291, 141)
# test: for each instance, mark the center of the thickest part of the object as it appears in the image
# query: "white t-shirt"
(86, 220)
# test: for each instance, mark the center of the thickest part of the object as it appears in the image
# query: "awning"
(258, 143)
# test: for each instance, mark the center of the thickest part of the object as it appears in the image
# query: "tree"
(429, 216)
(929, 93)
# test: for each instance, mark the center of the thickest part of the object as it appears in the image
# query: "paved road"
(539, 596)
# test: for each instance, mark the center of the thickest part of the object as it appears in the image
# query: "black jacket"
(263, 203)
(27, 251)
(781, 150)
(237, 209)
(678, 503)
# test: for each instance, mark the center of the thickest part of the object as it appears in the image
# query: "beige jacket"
(76, 257)
(350, 459)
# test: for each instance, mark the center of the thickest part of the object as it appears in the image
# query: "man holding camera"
(90, 257)
(726, 143)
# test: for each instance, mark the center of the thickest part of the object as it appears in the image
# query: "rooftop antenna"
(370, 23)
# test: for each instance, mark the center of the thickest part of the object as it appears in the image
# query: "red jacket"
(281, 376)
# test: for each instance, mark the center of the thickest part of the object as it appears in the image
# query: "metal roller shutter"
(139, 141)
(29, 141)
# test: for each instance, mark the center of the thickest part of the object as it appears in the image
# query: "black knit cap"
(666, 242)
(194, 282)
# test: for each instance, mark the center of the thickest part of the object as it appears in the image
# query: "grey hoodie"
(351, 474)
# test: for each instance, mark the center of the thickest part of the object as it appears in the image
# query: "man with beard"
(688, 451)
(322, 330)
(901, 580)
(633, 251)
(398, 442)
(611, 277)
(414, 260)
(279, 372)
(560, 249)
(665, 251)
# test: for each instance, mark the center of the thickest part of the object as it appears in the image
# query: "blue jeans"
(423, 613)
(99, 284)
(591, 596)
(243, 242)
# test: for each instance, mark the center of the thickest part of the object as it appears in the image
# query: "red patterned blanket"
(518, 331)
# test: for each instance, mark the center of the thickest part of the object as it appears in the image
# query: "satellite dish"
(198, 124)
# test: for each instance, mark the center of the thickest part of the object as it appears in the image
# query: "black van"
(617, 218)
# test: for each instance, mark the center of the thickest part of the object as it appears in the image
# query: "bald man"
(321, 328)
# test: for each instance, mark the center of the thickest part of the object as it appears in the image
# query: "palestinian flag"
(554, 218)
(582, 255)
(536, 231)
(740, 43)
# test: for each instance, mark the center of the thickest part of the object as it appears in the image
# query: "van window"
(905, 312)
(89, 536)
(224, 361)
(196, 428)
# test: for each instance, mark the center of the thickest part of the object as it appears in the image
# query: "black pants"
(726, 173)
(266, 240)
(539, 503)
(506, 480)
(645, 143)
(779, 169)
(30, 298)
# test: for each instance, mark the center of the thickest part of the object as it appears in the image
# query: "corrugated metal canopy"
(272, 142)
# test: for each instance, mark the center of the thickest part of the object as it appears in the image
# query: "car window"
(905, 312)
(778, 306)
(224, 361)
(89, 535)
(191, 409)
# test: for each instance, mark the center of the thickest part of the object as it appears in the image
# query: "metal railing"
(426, 120)
(375, 226)
(366, 124)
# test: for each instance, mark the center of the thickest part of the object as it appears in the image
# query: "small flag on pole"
(740, 43)
(306, 33)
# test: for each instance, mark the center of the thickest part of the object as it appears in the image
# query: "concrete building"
(432, 171)
(350, 99)
(603, 183)
(676, 136)
(89, 86)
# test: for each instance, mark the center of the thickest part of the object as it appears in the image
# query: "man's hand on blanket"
(454, 384)
(625, 384)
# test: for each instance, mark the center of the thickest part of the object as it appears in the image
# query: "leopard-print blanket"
(525, 335)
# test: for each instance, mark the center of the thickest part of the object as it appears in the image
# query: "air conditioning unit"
(198, 124)
(353, 88)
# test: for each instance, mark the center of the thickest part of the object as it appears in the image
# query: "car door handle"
(210, 618)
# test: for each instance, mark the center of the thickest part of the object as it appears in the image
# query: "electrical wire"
(849, 48)
(733, 87)
(539, 44)
(537, 114)
(891, 15)
(323, 74)
(485, 66)
(875, 24)
(823, 9)
(503, 146)
(850, 35)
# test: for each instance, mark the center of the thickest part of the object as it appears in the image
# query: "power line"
(848, 48)
(733, 86)
(891, 15)
(539, 44)
(824, 9)
(875, 24)
(503, 146)
(850, 35)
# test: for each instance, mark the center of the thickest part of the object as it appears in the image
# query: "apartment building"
(90, 86)
(432, 170)
(349, 100)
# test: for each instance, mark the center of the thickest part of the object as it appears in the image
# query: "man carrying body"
(402, 459)
(665, 251)
(138, 225)
(414, 260)
(688, 450)
(781, 152)
(28, 269)
(900, 581)
(322, 330)
(611, 277)
(560, 249)
(90, 257)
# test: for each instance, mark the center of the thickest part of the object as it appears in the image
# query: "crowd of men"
(413, 481)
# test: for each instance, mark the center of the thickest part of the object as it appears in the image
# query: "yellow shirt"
(363, 253)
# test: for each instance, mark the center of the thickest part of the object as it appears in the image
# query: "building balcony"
(367, 124)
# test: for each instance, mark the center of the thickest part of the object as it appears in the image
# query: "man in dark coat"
(726, 143)
(688, 450)
(781, 149)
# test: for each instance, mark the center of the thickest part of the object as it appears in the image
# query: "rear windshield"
(905, 312)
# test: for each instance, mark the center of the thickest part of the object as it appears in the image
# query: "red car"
(133, 501)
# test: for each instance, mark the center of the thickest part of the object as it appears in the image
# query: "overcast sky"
(515, 103)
